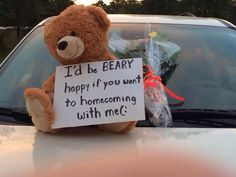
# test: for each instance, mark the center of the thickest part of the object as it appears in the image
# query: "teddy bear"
(78, 34)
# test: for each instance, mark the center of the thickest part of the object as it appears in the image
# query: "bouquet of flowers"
(160, 60)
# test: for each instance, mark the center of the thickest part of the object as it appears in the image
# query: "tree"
(133, 7)
(54, 7)
(117, 6)
(121, 6)
(209, 8)
(21, 13)
(205, 8)
(101, 4)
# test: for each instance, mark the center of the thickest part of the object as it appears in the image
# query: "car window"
(28, 66)
(198, 63)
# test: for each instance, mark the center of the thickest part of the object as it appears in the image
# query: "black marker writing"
(132, 81)
(117, 65)
(73, 70)
(110, 83)
(91, 113)
(113, 112)
(76, 88)
(91, 70)
(105, 100)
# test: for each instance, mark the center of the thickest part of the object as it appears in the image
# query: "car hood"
(23, 148)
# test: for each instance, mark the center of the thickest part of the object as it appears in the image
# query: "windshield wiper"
(208, 117)
(14, 116)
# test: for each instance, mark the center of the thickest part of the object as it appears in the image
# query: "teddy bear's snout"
(70, 47)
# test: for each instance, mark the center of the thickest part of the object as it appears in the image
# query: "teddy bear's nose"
(62, 45)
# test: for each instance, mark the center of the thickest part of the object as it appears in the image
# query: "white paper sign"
(98, 93)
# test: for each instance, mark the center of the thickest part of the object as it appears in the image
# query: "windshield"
(28, 66)
(197, 62)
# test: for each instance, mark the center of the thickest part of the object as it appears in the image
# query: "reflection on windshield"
(202, 69)
(29, 66)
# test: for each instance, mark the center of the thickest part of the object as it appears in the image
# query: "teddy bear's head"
(78, 34)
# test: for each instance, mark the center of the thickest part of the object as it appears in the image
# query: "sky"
(88, 2)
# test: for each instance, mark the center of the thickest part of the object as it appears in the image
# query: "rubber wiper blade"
(205, 113)
(12, 110)
(214, 118)
(19, 114)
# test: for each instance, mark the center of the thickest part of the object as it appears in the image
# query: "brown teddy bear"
(76, 35)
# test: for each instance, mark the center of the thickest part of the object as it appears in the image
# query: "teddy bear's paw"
(39, 107)
(122, 127)
(36, 110)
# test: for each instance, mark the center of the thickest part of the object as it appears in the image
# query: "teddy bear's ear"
(47, 30)
(100, 16)
(47, 25)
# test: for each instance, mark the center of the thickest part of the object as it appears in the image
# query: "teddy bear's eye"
(73, 33)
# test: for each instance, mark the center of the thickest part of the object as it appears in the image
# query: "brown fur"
(35, 93)
(123, 127)
(91, 25)
(48, 85)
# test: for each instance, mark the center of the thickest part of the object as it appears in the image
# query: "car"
(197, 61)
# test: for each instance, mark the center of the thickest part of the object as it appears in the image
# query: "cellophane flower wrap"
(156, 104)
(161, 56)
(160, 60)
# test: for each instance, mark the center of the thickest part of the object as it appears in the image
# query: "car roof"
(165, 19)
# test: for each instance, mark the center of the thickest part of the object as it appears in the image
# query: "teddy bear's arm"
(121, 127)
(48, 86)
(39, 105)
(107, 56)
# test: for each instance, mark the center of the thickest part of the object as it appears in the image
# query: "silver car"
(198, 62)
